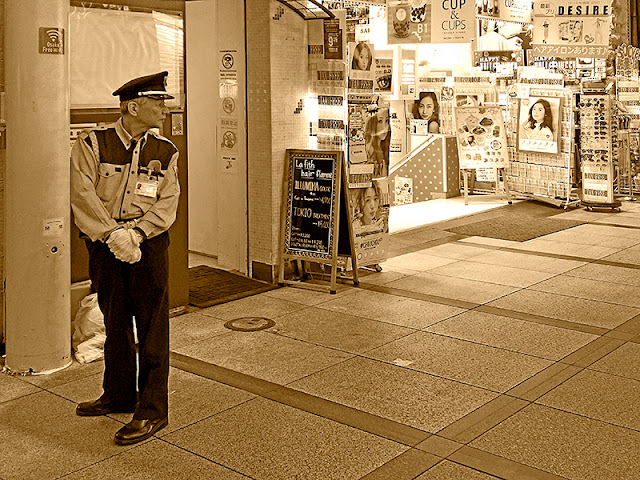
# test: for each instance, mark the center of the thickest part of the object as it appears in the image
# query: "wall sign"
(51, 40)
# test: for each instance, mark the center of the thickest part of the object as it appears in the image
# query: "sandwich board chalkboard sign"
(314, 198)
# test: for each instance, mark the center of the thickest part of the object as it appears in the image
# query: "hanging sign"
(576, 28)
(509, 10)
(421, 21)
(482, 139)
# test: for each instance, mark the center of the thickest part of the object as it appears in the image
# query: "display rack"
(545, 177)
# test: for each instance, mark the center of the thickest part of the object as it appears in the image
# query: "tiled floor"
(464, 359)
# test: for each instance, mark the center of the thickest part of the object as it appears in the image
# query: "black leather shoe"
(98, 407)
(138, 430)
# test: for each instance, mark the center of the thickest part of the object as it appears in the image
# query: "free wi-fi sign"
(52, 40)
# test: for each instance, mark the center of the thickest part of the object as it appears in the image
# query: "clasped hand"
(124, 243)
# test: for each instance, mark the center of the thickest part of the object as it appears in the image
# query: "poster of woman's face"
(361, 57)
(539, 125)
(426, 113)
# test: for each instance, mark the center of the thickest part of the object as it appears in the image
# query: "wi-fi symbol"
(54, 35)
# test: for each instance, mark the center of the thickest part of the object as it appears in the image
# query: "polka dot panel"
(426, 168)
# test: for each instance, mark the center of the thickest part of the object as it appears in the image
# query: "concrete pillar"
(38, 276)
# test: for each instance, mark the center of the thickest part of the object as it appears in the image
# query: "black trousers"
(124, 291)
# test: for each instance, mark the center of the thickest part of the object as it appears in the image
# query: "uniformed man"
(124, 196)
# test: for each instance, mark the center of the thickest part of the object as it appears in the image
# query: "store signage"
(421, 21)
(575, 28)
(51, 40)
(312, 186)
(509, 10)
(497, 61)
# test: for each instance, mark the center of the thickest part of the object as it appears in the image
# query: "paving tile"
(402, 311)
(500, 274)
(621, 220)
(155, 460)
(406, 396)
(512, 334)
(562, 248)
(13, 387)
(501, 467)
(455, 288)
(440, 446)
(460, 360)
(350, 333)
(268, 440)
(404, 467)
(194, 327)
(591, 290)
(572, 309)
(264, 355)
(494, 242)
(609, 230)
(306, 296)
(415, 262)
(254, 306)
(565, 444)
(607, 273)
(447, 470)
(624, 361)
(599, 396)
(630, 255)
(582, 238)
(459, 251)
(73, 372)
(42, 437)
(385, 276)
(527, 262)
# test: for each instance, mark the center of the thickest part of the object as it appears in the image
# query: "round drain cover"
(249, 324)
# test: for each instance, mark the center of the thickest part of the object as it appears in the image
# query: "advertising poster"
(482, 139)
(369, 145)
(403, 190)
(370, 212)
(509, 10)
(425, 113)
(408, 22)
(576, 28)
(539, 124)
(382, 75)
(361, 67)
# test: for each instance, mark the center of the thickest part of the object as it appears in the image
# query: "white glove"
(125, 245)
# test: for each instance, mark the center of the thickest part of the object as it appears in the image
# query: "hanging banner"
(453, 21)
(482, 139)
(421, 21)
(504, 63)
(577, 28)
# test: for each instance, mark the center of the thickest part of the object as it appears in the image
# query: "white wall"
(202, 119)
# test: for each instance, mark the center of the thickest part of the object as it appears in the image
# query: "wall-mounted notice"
(482, 139)
(575, 28)
(310, 203)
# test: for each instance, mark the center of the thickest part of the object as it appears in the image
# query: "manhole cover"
(249, 324)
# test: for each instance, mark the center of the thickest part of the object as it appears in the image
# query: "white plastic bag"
(88, 331)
